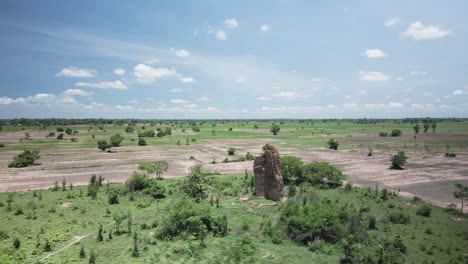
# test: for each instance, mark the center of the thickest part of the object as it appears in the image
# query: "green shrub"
(113, 196)
(129, 129)
(115, 140)
(321, 174)
(450, 155)
(395, 133)
(155, 189)
(291, 168)
(399, 218)
(424, 210)
(383, 134)
(332, 144)
(398, 160)
(137, 182)
(195, 185)
(141, 141)
(2, 145)
(231, 151)
(25, 159)
(149, 133)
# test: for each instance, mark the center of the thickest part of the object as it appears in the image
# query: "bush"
(332, 144)
(141, 141)
(60, 136)
(137, 182)
(149, 133)
(398, 160)
(424, 210)
(129, 129)
(291, 168)
(103, 145)
(195, 185)
(383, 134)
(155, 189)
(161, 133)
(25, 159)
(231, 151)
(275, 129)
(321, 174)
(395, 133)
(2, 145)
(399, 218)
(450, 155)
(113, 196)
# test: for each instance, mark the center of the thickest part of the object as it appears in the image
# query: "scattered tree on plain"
(275, 129)
(398, 160)
(461, 193)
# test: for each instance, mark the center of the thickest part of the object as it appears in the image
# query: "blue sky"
(233, 59)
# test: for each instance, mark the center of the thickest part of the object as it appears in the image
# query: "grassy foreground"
(49, 221)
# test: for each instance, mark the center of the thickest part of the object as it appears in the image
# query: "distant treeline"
(101, 121)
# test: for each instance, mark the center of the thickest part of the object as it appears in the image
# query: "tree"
(129, 129)
(291, 168)
(434, 126)
(141, 141)
(99, 236)
(115, 140)
(398, 160)
(25, 159)
(16, 243)
(168, 131)
(321, 174)
(148, 167)
(69, 131)
(426, 126)
(461, 193)
(160, 166)
(103, 145)
(332, 144)
(92, 257)
(416, 129)
(82, 252)
(113, 196)
(275, 129)
(60, 136)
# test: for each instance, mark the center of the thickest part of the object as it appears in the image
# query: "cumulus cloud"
(392, 22)
(221, 35)
(287, 95)
(417, 30)
(373, 76)
(76, 72)
(179, 101)
(459, 92)
(118, 85)
(374, 53)
(187, 80)
(263, 98)
(264, 28)
(148, 74)
(231, 23)
(180, 52)
(151, 61)
(175, 90)
(119, 71)
(77, 92)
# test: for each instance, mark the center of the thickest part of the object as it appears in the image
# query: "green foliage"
(82, 252)
(275, 129)
(113, 196)
(158, 167)
(92, 257)
(148, 133)
(231, 151)
(16, 243)
(332, 144)
(291, 168)
(103, 145)
(195, 185)
(2, 145)
(25, 159)
(461, 193)
(129, 129)
(450, 155)
(306, 219)
(137, 182)
(383, 134)
(115, 140)
(398, 160)
(69, 131)
(141, 141)
(196, 129)
(424, 210)
(155, 189)
(416, 129)
(395, 133)
(321, 174)
(99, 236)
(399, 218)
(161, 133)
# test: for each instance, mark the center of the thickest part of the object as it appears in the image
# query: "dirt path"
(75, 240)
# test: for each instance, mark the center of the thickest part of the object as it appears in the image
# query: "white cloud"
(263, 98)
(180, 52)
(190, 106)
(264, 28)
(427, 94)
(209, 108)
(76, 72)
(175, 90)
(459, 92)
(148, 74)
(374, 53)
(77, 92)
(7, 100)
(231, 23)
(373, 76)
(203, 99)
(133, 101)
(395, 105)
(417, 30)
(418, 73)
(287, 95)
(221, 35)
(179, 101)
(187, 80)
(392, 22)
(119, 71)
(119, 85)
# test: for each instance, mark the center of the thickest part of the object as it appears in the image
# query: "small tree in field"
(332, 144)
(115, 140)
(398, 160)
(461, 193)
(275, 129)
(103, 145)
(434, 126)
(231, 151)
(395, 133)
(416, 129)
(141, 141)
(426, 126)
